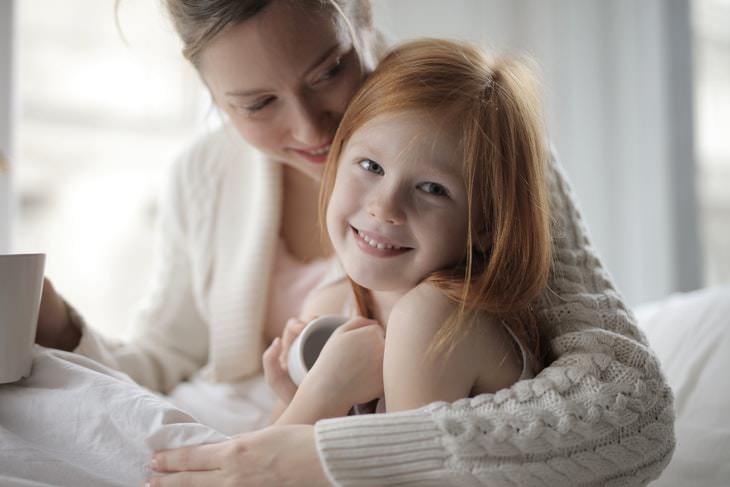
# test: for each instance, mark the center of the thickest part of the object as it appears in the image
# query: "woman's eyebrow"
(257, 91)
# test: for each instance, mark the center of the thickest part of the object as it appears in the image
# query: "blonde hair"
(495, 107)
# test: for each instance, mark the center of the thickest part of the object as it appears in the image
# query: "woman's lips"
(317, 155)
(371, 244)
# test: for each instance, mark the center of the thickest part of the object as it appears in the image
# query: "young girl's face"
(398, 209)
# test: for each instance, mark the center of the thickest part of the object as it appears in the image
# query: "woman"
(239, 236)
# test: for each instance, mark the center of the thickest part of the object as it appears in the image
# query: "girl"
(435, 205)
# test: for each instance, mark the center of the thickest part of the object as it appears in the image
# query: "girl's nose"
(386, 207)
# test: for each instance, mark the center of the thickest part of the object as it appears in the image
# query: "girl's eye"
(435, 189)
(259, 105)
(372, 166)
(332, 71)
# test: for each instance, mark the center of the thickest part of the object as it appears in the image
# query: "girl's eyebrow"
(258, 91)
(364, 148)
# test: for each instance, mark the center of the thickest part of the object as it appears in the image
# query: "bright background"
(637, 97)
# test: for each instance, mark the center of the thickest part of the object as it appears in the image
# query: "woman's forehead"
(278, 45)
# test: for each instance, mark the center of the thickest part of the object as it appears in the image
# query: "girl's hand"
(275, 361)
(350, 365)
(277, 455)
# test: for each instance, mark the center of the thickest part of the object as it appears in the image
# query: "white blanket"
(74, 422)
(691, 335)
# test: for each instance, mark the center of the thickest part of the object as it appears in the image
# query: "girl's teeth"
(375, 244)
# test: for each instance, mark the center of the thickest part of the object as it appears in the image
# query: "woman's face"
(284, 78)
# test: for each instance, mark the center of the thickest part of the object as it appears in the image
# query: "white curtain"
(618, 89)
(7, 111)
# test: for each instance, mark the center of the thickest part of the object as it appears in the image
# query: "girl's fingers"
(276, 376)
(291, 331)
(271, 354)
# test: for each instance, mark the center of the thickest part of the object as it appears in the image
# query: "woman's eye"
(332, 71)
(372, 166)
(435, 189)
(259, 105)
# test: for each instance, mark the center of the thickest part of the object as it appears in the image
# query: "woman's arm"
(601, 413)
(170, 337)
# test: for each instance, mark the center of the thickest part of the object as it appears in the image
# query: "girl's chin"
(377, 285)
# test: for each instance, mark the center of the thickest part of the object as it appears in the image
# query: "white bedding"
(691, 335)
(74, 422)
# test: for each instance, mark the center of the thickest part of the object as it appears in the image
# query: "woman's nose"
(311, 123)
(386, 206)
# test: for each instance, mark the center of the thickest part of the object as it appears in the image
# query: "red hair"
(495, 106)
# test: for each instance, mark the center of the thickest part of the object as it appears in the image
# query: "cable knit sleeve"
(600, 415)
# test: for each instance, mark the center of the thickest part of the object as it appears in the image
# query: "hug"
(411, 190)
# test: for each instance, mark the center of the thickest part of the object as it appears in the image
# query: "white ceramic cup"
(306, 347)
(21, 283)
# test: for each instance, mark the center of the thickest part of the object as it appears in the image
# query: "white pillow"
(691, 335)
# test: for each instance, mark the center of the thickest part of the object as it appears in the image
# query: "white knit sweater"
(601, 414)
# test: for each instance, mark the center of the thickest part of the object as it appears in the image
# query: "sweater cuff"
(379, 449)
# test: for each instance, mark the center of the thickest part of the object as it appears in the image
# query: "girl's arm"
(319, 396)
(326, 300)
(349, 371)
(414, 377)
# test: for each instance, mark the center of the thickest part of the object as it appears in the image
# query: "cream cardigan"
(601, 414)
(218, 230)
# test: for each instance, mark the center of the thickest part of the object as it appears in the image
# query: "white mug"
(307, 346)
(21, 283)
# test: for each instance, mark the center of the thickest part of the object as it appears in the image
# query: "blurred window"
(100, 119)
(711, 19)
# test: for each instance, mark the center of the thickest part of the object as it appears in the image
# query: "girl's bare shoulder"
(484, 342)
(424, 305)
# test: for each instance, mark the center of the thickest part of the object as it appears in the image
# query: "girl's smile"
(377, 245)
(398, 210)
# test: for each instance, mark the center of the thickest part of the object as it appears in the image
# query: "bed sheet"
(690, 334)
(75, 422)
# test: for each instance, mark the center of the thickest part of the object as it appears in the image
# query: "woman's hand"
(278, 455)
(351, 363)
(55, 329)
(275, 360)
